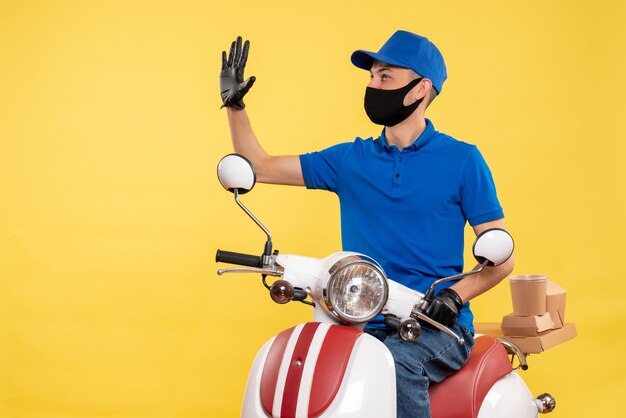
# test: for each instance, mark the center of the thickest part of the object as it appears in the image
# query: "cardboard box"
(526, 326)
(530, 345)
(555, 303)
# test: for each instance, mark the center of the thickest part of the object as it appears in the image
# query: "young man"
(405, 198)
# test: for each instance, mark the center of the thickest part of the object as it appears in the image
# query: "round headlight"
(357, 289)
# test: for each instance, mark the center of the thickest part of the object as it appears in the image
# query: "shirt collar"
(425, 137)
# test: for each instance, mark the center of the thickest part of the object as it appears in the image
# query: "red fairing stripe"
(271, 368)
(296, 366)
(331, 367)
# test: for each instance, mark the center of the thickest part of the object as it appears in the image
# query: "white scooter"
(331, 368)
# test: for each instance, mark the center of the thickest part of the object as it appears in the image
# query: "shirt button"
(399, 158)
(397, 175)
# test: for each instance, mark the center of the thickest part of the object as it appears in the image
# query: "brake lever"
(276, 272)
(419, 315)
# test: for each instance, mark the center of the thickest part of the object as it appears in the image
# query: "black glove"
(232, 86)
(445, 307)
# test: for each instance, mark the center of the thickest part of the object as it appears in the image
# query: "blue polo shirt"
(408, 208)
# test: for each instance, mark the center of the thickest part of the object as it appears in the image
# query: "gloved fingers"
(224, 61)
(231, 54)
(244, 54)
(442, 312)
(433, 308)
(237, 52)
(247, 85)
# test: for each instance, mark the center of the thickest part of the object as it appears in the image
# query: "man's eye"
(384, 76)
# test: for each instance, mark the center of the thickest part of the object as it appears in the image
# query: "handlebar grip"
(238, 258)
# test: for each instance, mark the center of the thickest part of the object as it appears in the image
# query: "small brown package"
(526, 326)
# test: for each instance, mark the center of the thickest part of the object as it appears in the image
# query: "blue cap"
(408, 50)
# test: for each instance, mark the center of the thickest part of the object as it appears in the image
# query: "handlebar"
(238, 258)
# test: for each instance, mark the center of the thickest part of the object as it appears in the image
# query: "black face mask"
(386, 107)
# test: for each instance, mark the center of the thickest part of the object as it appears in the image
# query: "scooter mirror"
(494, 246)
(235, 172)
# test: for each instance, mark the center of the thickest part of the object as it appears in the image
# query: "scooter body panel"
(367, 390)
(509, 397)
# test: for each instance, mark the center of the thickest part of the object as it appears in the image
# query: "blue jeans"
(432, 358)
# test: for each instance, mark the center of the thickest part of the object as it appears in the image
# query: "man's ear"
(424, 87)
(421, 90)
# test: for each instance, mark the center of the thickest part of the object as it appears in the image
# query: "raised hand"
(232, 86)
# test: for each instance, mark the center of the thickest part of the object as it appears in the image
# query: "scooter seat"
(462, 394)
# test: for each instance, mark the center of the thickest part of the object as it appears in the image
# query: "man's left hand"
(445, 307)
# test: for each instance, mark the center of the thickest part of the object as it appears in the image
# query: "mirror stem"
(268, 244)
(428, 297)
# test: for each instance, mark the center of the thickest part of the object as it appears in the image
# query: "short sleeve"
(321, 169)
(479, 199)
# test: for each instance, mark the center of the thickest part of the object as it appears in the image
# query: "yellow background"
(110, 210)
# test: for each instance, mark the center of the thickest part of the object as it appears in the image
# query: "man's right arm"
(284, 169)
(233, 88)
